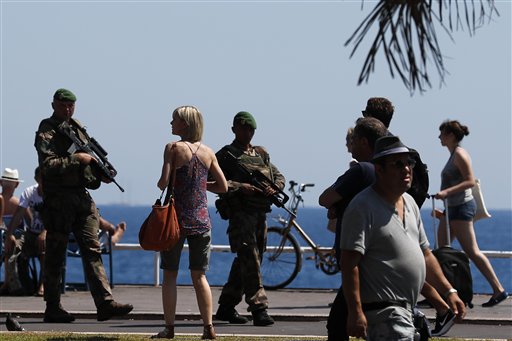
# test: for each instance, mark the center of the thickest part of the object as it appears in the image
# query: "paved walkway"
(285, 305)
(297, 312)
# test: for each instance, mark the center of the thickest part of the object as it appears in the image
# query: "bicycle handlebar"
(303, 186)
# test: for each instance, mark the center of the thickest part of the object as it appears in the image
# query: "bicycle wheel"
(280, 266)
(329, 264)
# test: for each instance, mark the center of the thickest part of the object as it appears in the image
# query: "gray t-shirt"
(393, 265)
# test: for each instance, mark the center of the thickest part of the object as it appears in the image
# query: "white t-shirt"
(30, 198)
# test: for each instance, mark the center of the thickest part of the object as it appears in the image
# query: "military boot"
(54, 313)
(261, 318)
(109, 309)
(225, 313)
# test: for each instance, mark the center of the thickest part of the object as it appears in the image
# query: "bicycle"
(282, 260)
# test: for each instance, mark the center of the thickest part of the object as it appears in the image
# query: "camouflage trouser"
(247, 238)
(77, 213)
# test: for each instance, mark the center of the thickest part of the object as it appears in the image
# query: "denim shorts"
(464, 212)
(198, 253)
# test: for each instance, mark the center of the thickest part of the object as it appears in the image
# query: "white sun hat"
(11, 175)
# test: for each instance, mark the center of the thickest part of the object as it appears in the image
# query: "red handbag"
(161, 230)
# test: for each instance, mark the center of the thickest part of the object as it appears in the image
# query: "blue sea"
(136, 267)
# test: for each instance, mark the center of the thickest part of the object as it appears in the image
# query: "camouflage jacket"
(256, 158)
(60, 169)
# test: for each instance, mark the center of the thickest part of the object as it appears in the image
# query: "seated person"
(9, 182)
(115, 232)
(32, 241)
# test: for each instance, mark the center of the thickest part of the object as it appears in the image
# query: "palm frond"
(406, 34)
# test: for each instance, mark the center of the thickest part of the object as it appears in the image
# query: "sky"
(131, 63)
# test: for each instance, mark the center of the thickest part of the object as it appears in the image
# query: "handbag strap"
(172, 178)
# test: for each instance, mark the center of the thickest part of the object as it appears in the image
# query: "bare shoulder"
(207, 155)
(462, 158)
(208, 150)
(462, 153)
(173, 148)
(174, 144)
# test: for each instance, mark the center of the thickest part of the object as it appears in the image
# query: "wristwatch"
(449, 292)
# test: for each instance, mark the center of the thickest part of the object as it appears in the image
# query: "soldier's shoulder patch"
(262, 152)
(261, 148)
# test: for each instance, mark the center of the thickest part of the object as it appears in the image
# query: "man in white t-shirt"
(385, 255)
(32, 241)
(9, 182)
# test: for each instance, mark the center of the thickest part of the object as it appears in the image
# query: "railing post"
(156, 269)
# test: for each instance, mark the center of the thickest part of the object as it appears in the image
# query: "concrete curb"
(195, 316)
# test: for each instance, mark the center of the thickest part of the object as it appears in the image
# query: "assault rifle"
(93, 148)
(261, 181)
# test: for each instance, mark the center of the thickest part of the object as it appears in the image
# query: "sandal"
(167, 333)
(208, 333)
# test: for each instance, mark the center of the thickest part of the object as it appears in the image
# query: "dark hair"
(37, 173)
(454, 127)
(370, 128)
(381, 108)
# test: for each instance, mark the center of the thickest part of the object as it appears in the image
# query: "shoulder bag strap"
(172, 178)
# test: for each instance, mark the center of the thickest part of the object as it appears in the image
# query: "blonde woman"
(457, 179)
(193, 161)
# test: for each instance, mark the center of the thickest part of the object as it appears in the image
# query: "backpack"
(456, 269)
(419, 186)
(22, 279)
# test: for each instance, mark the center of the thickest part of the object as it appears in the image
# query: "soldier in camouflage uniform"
(247, 207)
(68, 207)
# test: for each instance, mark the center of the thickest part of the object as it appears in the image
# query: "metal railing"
(226, 248)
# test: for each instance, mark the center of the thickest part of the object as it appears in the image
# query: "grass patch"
(40, 336)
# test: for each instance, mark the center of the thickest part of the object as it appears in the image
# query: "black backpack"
(455, 266)
(419, 186)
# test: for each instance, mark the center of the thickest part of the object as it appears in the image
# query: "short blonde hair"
(194, 120)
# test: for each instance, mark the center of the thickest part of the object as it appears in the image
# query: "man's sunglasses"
(399, 164)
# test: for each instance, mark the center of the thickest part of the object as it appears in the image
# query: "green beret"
(64, 95)
(243, 117)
